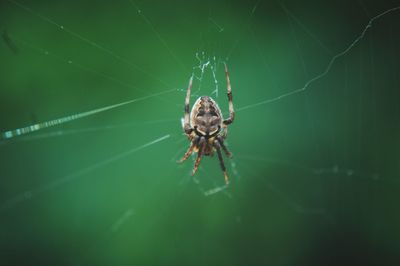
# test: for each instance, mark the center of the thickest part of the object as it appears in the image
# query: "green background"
(314, 177)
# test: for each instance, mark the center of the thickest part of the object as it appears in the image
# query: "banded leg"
(189, 151)
(221, 160)
(186, 122)
(224, 131)
(227, 152)
(229, 93)
(202, 145)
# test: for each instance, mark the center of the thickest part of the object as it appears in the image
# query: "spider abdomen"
(206, 117)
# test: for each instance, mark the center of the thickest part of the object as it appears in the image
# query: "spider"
(205, 127)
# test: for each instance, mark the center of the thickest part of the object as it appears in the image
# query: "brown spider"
(205, 127)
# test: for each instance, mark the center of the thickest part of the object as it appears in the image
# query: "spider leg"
(202, 144)
(231, 117)
(186, 122)
(224, 131)
(221, 142)
(221, 160)
(211, 152)
(189, 150)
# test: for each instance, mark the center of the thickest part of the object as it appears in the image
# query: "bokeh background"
(315, 173)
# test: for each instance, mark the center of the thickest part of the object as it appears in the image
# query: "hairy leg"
(202, 144)
(189, 150)
(231, 117)
(186, 123)
(221, 160)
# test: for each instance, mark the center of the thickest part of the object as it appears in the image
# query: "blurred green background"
(315, 175)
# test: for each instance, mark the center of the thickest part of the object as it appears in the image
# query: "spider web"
(91, 124)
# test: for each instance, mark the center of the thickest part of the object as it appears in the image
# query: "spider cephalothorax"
(206, 128)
